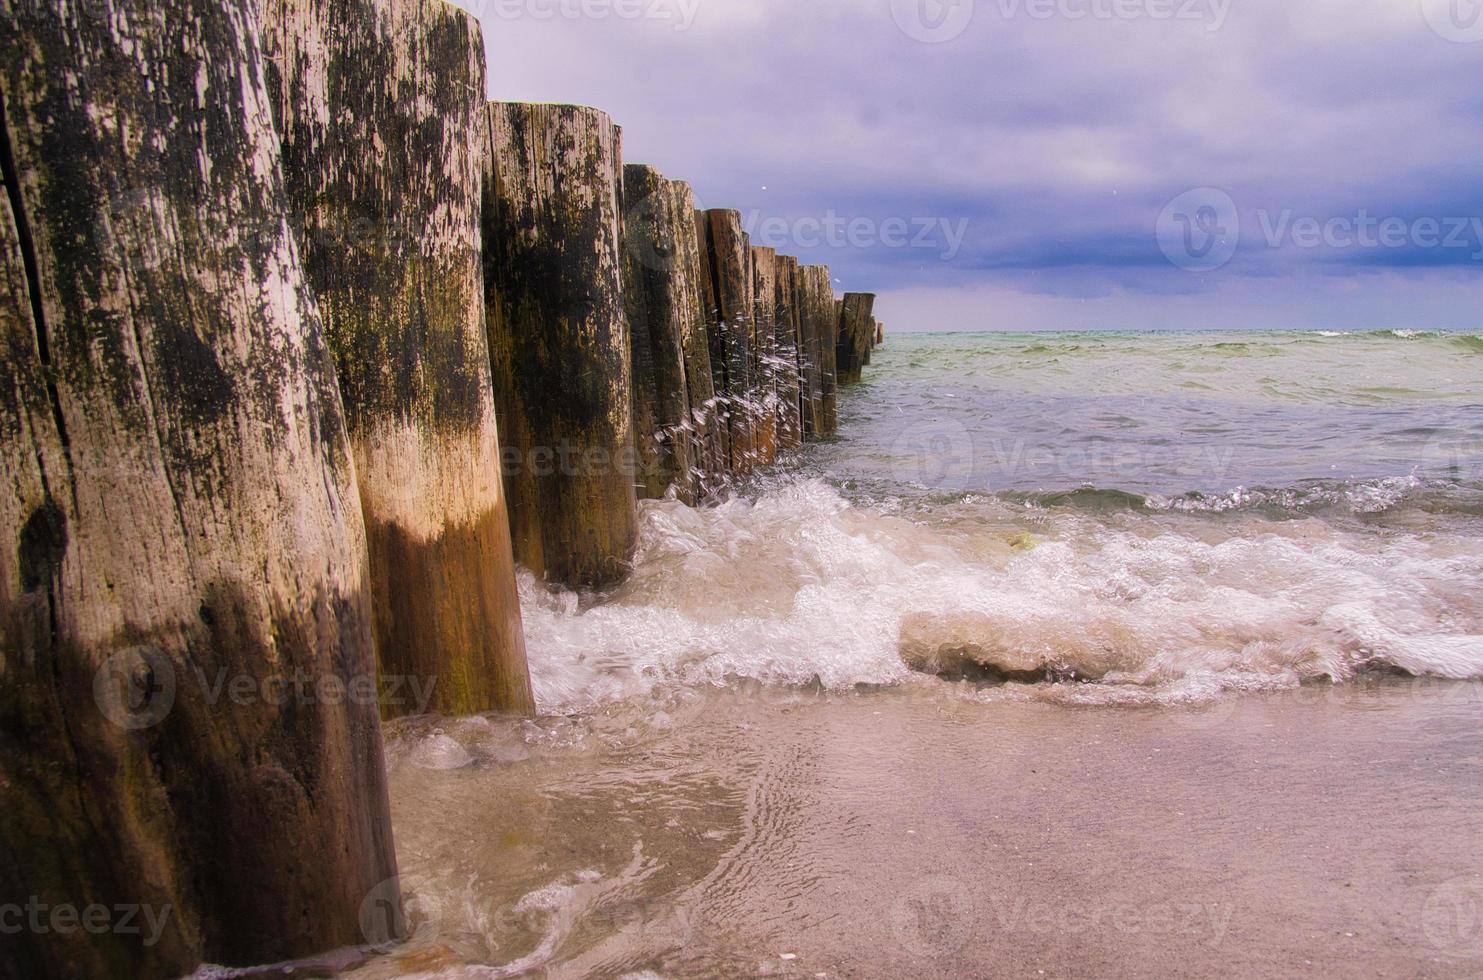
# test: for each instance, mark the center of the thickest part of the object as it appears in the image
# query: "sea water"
(1178, 631)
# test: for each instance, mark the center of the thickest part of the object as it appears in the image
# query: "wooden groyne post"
(728, 304)
(188, 707)
(676, 419)
(761, 399)
(819, 325)
(789, 379)
(559, 339)
(856, 331)
(381, 111)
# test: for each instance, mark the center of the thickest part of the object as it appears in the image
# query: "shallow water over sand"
(910, 831)
(1082, 654)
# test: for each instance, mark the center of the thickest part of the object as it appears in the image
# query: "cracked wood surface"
(179, 508)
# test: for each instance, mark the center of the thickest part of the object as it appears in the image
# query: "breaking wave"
(798, 585)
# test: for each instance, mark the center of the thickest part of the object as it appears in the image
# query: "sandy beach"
(923, 832)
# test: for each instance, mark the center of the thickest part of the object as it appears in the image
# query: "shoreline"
(1325, 830)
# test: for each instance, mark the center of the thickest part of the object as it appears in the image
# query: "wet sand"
(929, 830)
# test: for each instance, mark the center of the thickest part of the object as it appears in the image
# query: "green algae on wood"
(380, 107)
(675, 415)
(559, 338)
(188, 719)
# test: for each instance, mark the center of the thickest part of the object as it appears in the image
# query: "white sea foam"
(801, 586)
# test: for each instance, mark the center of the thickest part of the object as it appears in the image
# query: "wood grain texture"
(729, 325)
(856, 331)
(817, 329)
(676, 420)
(179, 509)
(786, 347)
(720, 469)
(761, 400)
(380, 107)
(559, 338)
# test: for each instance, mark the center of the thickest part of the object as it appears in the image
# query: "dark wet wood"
(559, 339)
(856, 330)
(762, 399)
(675, 416)
(380, 106)
(786, 347)
(184, 618)
(818, 326)
(729, 325)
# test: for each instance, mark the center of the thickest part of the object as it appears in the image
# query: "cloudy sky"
(1058, 164)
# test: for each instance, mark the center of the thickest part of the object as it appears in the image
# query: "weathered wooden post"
(818, 328)
(380, 107)
(729, 323)
(847, 356)
(855, 331)
(762, 400)
(789, 389)
(559, 339)
(675, 416)
(191, 734)
(880, 333)
(719, 407)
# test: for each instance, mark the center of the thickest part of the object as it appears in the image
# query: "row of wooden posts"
(641, 348)
(303, 345)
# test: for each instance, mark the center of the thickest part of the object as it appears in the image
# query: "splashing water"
(1170, 552)
(981, 650)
